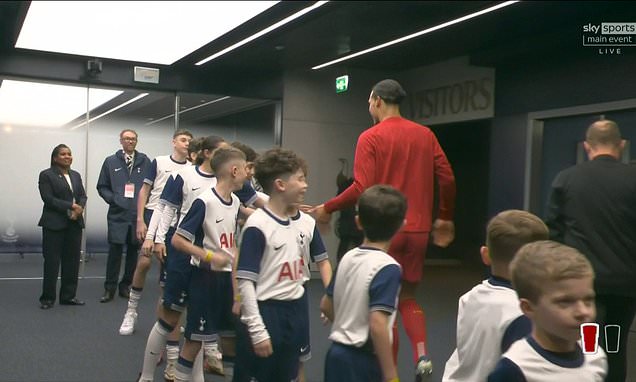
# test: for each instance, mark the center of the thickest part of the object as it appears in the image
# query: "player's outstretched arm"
(378, 328)
(320, 214)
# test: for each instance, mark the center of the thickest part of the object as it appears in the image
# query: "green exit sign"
(342, 84)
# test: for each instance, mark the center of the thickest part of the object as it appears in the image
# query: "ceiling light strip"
(416, 34)
(60, 26)
(140, 96)
(263, 32)
(187, 110)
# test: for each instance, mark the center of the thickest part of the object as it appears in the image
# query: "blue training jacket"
(122, 211)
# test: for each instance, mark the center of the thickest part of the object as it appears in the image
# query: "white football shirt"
(211, 223)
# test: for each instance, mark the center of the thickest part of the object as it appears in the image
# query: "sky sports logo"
(609, 38)
(610, 28)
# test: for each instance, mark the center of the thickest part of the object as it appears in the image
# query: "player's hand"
(443, 232)
(159, 250)
(264, 349)
(306, 208)
(146, 248)
(141, 230)
(320, 214)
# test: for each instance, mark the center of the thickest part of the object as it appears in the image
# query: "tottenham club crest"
(202, 324)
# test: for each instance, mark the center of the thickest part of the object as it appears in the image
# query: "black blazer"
(58, 198)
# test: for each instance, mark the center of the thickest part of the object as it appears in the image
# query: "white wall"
(26, 150)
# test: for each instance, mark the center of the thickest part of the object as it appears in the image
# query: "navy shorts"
(177, 284)
(304, 325)
(351, 364)
(200, 321)
(224, 321)
(163, 272)
(210, 306)
(281, 321)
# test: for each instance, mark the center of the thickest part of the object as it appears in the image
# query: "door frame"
(534, 143)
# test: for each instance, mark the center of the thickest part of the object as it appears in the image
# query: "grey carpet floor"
(70, 343)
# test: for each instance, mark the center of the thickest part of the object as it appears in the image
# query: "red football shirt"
(407, 156)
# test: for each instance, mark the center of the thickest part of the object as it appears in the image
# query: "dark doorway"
(467, 146)
(562, 136)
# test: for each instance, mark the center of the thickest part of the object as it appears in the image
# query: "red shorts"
(408, 249)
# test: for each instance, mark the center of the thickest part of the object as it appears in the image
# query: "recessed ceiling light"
(416, 34)
(263, 32)
(158, 32)
(46, 105)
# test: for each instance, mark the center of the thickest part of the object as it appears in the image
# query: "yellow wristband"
(208, 256)
(394, 380)
(237, 298)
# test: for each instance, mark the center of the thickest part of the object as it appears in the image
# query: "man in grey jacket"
(120, 180)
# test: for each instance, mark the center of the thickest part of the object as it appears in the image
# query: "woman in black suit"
(62, 222)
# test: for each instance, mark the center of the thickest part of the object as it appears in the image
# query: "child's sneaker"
(213, 362)
(128, 325)
(169, 371)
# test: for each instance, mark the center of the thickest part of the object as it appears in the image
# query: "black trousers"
(616, 310)
(61, 248)
(113, 264)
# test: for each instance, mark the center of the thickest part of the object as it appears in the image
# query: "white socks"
(154, 346)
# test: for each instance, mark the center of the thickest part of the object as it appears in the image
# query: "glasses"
(129, 139)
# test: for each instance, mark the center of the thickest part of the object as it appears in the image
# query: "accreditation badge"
(129, 190)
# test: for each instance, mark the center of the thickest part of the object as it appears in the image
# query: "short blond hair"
(544, 261)
(511, 229)
(223, 155)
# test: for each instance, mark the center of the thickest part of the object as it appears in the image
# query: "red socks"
(415, 326)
